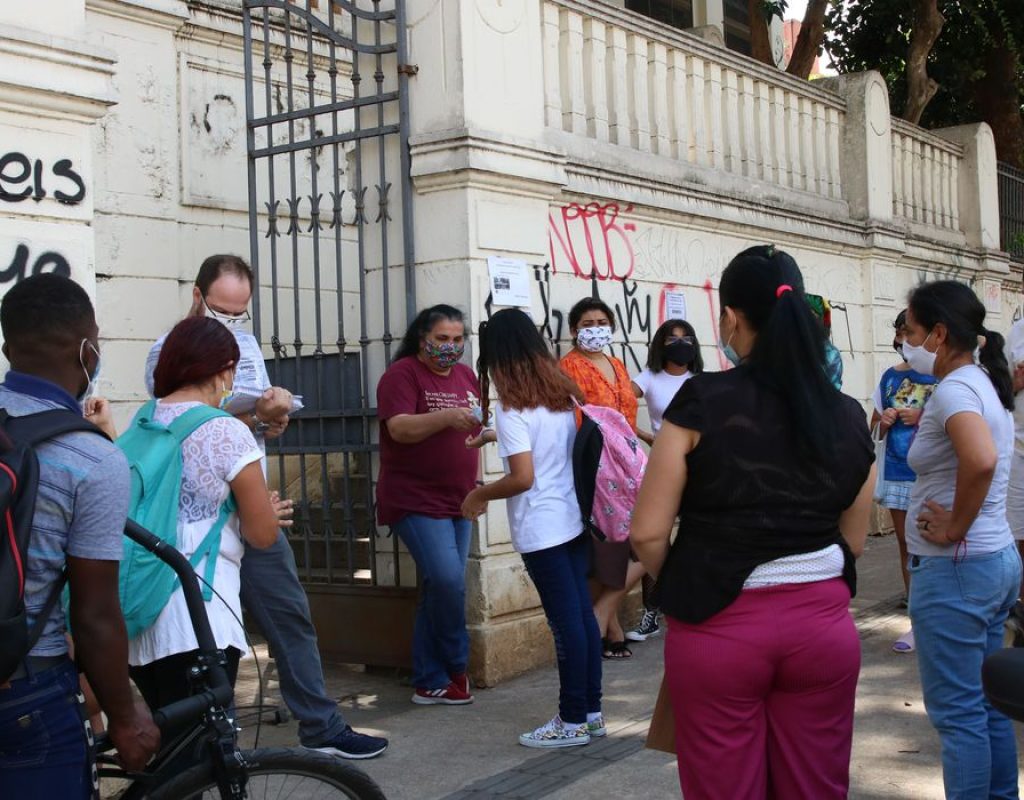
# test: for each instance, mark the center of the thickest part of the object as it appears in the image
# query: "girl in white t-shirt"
(536, 427)
(672, 359)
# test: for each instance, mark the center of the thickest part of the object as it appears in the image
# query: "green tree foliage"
(976, 61)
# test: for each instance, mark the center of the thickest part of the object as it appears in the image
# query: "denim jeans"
(272, 594)
(45, 747)
(440, 643)
(958, 608)
(560, 575)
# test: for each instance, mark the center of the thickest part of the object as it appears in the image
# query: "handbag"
(878, 440)
(662, 733)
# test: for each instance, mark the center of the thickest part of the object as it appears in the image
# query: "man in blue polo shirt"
(51, 342)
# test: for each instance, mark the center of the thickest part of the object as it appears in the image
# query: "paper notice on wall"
(675, 305)
(510, 281)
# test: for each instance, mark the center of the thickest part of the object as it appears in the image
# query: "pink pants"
(763, 695)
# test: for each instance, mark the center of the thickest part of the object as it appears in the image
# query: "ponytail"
(993, 361)
(789, 351)
(956, 306)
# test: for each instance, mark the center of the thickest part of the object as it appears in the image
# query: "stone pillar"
(54, 86)
(483, 186)
(867, 145)
(979, 192)
(709, 12)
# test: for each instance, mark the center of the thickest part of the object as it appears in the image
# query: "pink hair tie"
(783, 289)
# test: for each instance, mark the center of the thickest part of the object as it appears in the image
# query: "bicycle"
(199, 729)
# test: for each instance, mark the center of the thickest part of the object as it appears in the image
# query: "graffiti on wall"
(23, 264)
(592, 241)
(22, 177)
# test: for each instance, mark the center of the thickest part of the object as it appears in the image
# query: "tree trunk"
(808, 43)
(927, 26)
(997, 97)
(760, 41)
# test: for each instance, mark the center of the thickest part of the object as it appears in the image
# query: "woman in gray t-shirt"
(964, 565)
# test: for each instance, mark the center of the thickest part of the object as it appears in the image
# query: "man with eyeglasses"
(271, 591)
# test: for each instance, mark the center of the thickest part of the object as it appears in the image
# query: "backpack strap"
(33, 429)
(210, 547)
(183, 426)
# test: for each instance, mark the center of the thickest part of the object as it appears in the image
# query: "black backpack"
(19, 483)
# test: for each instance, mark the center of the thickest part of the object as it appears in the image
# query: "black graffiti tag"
(17, 169)
(19, 269)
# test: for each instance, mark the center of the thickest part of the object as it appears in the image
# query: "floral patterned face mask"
(594, 340)
(445, 355)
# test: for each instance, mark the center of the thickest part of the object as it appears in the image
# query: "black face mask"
(680, 353)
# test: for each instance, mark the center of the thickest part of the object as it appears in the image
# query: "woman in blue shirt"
(899, 401)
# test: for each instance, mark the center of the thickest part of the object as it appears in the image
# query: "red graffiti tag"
(709, 290)
(593, 239)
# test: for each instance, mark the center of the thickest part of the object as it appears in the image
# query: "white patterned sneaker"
(596, 728)
(556, 734)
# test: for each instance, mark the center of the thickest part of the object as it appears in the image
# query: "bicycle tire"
(320, 768)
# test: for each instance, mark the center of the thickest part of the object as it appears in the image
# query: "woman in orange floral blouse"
(605, 382)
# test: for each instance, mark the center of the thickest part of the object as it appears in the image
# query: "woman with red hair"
(220, 458)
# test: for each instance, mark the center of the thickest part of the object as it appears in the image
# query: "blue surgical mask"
(729, 352)
(90, 387)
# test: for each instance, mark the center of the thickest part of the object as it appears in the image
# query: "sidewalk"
(451, 753)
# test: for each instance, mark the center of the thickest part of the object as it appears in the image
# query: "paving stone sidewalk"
(471, 752)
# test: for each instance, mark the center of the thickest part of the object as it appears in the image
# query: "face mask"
(920, 359)
(680, 353)
(90, 387)
(229, 321)
(594, 340)
(727, 350)
(445, 355)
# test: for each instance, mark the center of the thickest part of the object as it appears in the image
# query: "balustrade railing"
(925, 177)
(619, 78)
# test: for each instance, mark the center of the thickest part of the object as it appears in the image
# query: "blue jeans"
(560, 575)
(958, 608)
(440, 643)
(44, 746)
(272, 594)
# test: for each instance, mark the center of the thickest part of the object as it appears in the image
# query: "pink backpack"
(608, 467)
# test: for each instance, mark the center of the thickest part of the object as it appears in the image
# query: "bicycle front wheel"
(278, 772)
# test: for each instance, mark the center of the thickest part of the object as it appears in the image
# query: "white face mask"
(594, 340)
(920, 359)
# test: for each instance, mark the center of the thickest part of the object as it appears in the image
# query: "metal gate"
(330, 228)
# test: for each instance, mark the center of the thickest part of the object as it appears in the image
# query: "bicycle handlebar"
(220, 692)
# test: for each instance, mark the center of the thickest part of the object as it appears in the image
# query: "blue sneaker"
(353, 745)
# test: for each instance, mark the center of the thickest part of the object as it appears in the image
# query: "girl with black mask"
(673, 358)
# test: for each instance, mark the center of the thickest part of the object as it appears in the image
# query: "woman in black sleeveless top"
(769, 468)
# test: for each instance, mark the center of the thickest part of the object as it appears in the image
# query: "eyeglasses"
(674, 339)
(227, 319)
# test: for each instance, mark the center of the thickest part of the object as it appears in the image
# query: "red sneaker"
(461, 681)
(450, 695)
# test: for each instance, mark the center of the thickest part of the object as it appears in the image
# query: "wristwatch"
(259, 427)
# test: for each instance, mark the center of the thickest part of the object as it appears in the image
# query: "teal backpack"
(154, 455)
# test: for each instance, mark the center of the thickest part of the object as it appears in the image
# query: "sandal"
(905, 644)
(614, 651)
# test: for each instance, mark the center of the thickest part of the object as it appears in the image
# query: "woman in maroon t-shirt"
(428, 403)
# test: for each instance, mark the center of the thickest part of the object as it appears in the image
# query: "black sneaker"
(648, 627)
(354, 745)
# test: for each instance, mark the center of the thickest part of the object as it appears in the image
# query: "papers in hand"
(243, 401)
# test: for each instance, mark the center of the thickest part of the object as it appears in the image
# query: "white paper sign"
(675, 305)
(510, 281)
